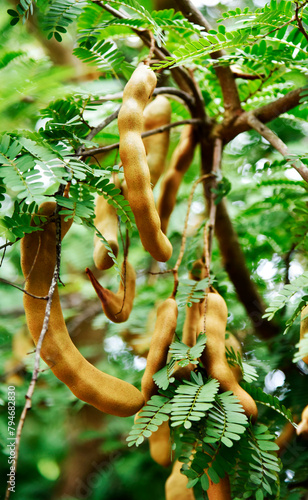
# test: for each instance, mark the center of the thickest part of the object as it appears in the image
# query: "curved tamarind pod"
(162, 337)
(136, 94)
(106, 221)
(232, 341)
(214, 355)
(105, 392)
(160, 445)
(220, 491)
(302, 428)
(175, 487)
(155, 115)
(285, 437)
(304, 328)
(180, 162)
(112, 303)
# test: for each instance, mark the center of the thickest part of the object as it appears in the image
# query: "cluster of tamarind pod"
(143, 163)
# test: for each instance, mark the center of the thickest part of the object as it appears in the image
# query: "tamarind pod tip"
(100, 291)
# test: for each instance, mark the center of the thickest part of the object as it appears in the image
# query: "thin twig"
(276, 142)
(8, 244)
(6, 282)
(159, 130)
(299, 21)
(35, 373)
(171, 91)
(103, 124)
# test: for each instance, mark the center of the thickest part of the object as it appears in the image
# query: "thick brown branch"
(224, 74)
(235, 265)
(234, 260)
(265, 114)
(277, 143)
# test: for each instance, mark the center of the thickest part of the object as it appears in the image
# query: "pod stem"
(152, 49)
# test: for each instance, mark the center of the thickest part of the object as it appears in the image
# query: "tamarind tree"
(169, 140)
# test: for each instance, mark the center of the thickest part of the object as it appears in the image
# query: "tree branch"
(103, 124)
(265, 114)
(6, 282)
(184, 96)
(233, 258)
(235, 264)
(180, 75)
(276, 142)
(224, 74)
(159, 130)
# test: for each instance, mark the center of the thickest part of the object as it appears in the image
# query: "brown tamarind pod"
(175, 487)
(231, 341)
(155, 115)
(285, 437)
(304, 328)
(105, 392)
(136, 94)
(214, 355)
(221, 490)
(106, 221)
(160, 445)
(180, 162)
(302, 428)
(191, 323)
(167, 312)
(165, 326)
(112, 303)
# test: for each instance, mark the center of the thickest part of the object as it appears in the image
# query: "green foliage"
(181, 355)
(191, 291)
(192, 400)
(152, 415)
(284, 297)
(268, 400)
(302, 347)
(105, 56)
(249, 372)
(60, 15)
(257, 464)
(23, 9)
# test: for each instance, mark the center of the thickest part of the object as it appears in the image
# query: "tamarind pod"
(191, 324)
(155, 115)
(160, 445)
(136, 94)
(302, 428)
(175, 487)
(285, 437)
(105, 392)
(112, 303)
(220, 491)
(180, 162)
(214, 355)
(232, 341)
(106, 221)
(162, 337)
(304, 328)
